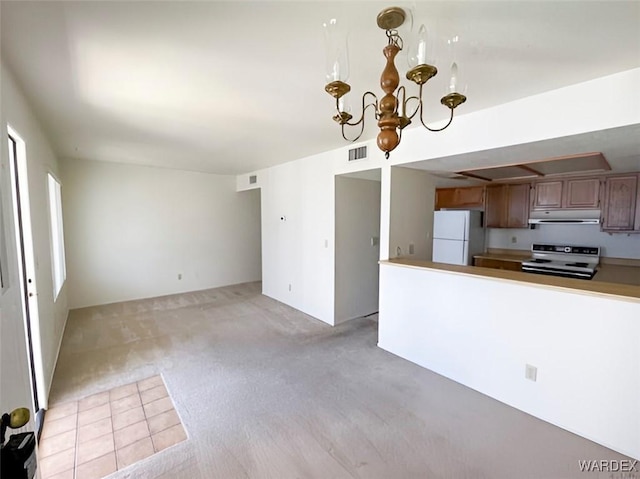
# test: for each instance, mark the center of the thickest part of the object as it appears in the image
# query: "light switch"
(531, 372)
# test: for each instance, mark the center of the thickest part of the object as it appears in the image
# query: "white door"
(450, 224)
(27, 269)
(449, 251)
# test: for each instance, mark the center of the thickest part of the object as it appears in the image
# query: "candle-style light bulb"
(335, 71)
(453, 80)
(421, 49)
(422, 45)
(344, 105)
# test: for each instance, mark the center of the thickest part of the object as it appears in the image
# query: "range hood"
(565, 217)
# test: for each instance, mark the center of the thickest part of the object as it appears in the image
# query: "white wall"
(612, 245)
(481, 332)
(132, 230)
(297, 232)
(357, 216)
(15, 383)
(411, 217)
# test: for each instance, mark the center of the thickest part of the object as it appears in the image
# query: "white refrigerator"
(458, 235)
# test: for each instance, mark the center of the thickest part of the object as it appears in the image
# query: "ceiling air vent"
(357, 153)
(253, 179)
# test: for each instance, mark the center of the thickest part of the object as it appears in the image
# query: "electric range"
(561, 260)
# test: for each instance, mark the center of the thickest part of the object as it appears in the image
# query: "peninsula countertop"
(610, 270)
(601, 285)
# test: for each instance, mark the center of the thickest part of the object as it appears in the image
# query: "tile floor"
(108, 431)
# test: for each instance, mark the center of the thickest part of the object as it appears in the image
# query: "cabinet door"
(582, 193)
(620, 203)
(495, 210)
(518, 206)
(445, 198)
(468, 197)
(548, 195)
(471, 196)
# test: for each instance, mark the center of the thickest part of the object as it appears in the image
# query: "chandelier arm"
(437, 129)
(417, 106)
(374, 103)
(364, 108)
(359, 134)
(405, 101)
(401, 102)
(361, 120)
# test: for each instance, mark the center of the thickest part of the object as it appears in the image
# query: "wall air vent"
(357, 153)
(253, 179)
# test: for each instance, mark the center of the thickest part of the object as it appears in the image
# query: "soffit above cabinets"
(563, 165)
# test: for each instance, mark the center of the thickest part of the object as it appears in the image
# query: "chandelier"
(392, 111)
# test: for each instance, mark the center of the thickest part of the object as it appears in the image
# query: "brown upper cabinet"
(547, 195)
(468, 197)
(583, 193)
(575, 193)
(621, 204)
(507, 206)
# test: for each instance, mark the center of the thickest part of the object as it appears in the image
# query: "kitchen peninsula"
(484, 328)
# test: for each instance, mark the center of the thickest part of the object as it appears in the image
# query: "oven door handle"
(557, 270)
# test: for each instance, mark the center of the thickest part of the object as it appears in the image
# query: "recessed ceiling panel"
(564, 165)
(501, 173)
(585, 162)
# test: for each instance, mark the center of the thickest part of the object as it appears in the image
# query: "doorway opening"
(27, 270)
(253, 198)
(357, 244)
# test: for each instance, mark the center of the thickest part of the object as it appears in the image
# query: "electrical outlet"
(531, 372)
(411, 248)
(514, 239)
(179, 275)
(289, 287)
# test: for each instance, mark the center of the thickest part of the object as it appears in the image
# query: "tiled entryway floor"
(108, 431)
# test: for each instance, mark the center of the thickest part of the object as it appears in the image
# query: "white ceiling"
(230, 87)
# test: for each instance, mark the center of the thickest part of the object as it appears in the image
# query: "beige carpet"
(265, 391)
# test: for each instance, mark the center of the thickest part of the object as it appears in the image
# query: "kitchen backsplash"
(612, 245)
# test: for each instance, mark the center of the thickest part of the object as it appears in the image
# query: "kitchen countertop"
(515, 257)
(596, 286)
(614, 273)
(610, 270)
